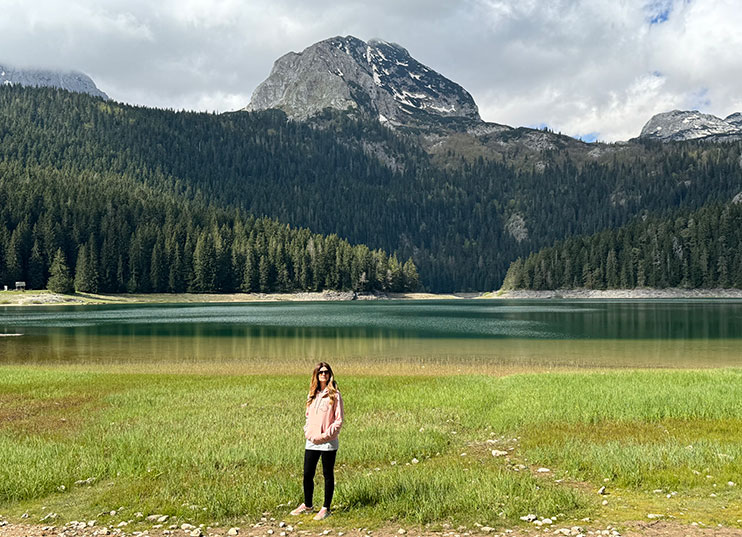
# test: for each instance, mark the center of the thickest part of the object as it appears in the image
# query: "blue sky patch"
(658, 11)
(590, 137)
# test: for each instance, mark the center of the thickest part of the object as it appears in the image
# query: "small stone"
(605, 502)
(654, 516)
(196, 533)
(270, 532)
(233, 531)
(151, 518)
(122, 524)
(601, 490)
(282, 534)
(487, 529)
(401, 531)
(547, 521)
(187, 527)
(529, 517)
(543, 470)
(162, 519)
(281, 524)
(498, 453)
(731, 483)
(414, 460)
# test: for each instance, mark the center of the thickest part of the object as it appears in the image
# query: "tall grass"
(207, 448)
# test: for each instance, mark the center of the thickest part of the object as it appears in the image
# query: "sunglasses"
(323, 372)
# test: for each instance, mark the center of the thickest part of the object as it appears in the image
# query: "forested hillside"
(115, 236)
(690, 249)
(462, 224)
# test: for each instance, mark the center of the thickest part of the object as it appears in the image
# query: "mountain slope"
(699, 249)
(462, 225)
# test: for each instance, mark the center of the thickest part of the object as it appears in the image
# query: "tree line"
(700, 249)
(101, 233)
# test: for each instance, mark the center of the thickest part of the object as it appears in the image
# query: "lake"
(376, 337)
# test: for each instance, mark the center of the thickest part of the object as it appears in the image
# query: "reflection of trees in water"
(396, 336)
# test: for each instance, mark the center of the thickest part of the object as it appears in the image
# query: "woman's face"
(323, 374)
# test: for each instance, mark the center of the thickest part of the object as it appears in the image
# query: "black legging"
(311, 458)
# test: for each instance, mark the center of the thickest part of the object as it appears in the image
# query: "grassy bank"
(223, 448)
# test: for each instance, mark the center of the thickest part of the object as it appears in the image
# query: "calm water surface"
(393, 336)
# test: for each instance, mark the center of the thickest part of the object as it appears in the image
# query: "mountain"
(383, 82)
(377, 77)
(679, 125)
(67, 80)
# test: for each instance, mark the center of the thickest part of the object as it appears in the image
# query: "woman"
(324, 415)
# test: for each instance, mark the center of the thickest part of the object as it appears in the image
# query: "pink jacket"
(324, 420)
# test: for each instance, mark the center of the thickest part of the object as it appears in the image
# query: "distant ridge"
(679, 125)
(67, 80)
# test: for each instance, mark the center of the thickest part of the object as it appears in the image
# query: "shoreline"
(629, 294)
(47, 298)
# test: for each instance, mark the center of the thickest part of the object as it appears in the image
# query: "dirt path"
(274, 529)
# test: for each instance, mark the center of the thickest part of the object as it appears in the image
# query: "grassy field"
(414, 450)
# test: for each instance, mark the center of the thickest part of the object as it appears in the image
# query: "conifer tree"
(60, 280)
(36, 268)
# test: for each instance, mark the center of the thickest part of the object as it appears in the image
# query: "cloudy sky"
(588, 68)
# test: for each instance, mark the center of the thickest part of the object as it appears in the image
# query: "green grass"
(207, 448)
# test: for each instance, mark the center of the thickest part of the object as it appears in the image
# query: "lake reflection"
(393, 336)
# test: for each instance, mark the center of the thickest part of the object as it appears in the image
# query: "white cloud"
(580, 66)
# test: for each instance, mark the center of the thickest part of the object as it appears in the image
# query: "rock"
(731, 483)
(162, 518)
(67, 80)
(654, 516)
(688, 125)
(498, 453)
(547, 521)
(487, 529)
(414, 460)
(150, 518)
(601, 490)
(187, 527)
(345, 73)
(281, 524)
(516, 227)
(196, 532)
(543, 470)
(401, 531)
(233, 531)
(529, 518)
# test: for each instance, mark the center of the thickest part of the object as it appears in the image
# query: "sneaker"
(301, 510)
(323, 514)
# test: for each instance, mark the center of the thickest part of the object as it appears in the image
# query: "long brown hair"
(332, 387)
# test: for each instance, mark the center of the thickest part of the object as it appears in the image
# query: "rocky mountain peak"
(679, 125)
(67, 80)
(377, 77)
